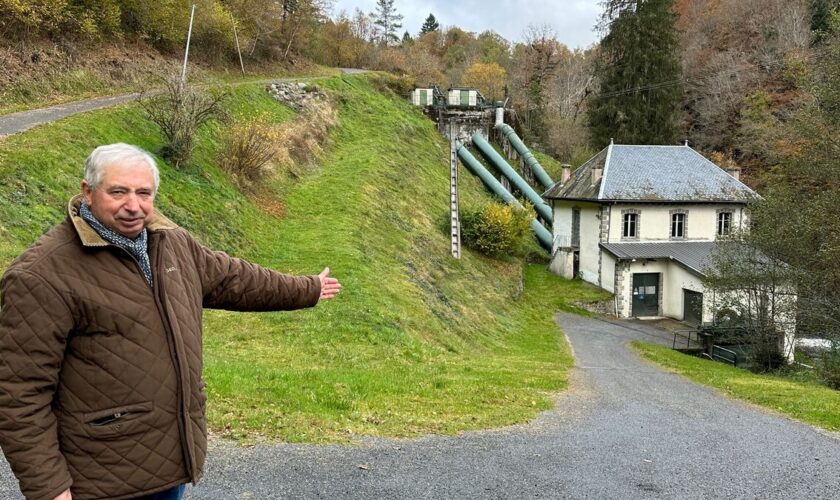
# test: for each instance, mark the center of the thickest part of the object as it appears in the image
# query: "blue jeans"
(174, 493)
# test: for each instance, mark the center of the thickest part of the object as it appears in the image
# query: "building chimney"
(734, 172)
(597, 172)
(565, 174)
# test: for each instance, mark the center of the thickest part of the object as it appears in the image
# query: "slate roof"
(652, 173)
(694, 255)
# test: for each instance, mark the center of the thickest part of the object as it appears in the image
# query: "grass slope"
(806, 401)
(417, 343)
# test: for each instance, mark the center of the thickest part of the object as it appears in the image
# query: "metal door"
(692, 307)
(646, 294)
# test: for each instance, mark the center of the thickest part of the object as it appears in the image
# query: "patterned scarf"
(138, 247)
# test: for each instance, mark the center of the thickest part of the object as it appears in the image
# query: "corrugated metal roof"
(695, 255)
(653, 173)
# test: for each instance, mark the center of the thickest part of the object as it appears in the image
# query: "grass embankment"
(809, 402)
(416, 343)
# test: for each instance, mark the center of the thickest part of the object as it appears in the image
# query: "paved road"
(25, 120)
(624, 429)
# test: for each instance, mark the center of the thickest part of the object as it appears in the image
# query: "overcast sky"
(571, 20)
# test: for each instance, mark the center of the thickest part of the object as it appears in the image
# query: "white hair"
(103, 156)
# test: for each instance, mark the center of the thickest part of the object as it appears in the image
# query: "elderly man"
(101, 394)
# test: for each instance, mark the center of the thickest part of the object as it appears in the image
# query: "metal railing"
(722, 354)
(687, 335)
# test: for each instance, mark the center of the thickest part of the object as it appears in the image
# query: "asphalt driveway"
(624, 429)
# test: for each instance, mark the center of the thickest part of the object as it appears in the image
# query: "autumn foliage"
(489, 78)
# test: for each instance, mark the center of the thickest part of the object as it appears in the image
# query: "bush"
(829, 366)
(93, 19)
(248, 149)
(257, 148)
(496, 229)
(401, 86)
(179, 111)
(766, 355)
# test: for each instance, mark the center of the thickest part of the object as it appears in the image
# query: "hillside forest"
(748, 83)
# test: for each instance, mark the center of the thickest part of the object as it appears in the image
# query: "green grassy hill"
(417, 342)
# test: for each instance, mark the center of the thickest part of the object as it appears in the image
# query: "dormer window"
(678, 220)
(724, 223)
(630, 224)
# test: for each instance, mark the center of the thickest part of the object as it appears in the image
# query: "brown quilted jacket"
(100, 374)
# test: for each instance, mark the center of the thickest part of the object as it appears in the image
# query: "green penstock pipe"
(477, 169)
(526, 154)
(497, 161)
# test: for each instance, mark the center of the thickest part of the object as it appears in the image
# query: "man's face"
(124, 200)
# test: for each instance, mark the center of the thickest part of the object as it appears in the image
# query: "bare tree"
(180, 110)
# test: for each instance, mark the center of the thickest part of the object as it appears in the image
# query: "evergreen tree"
(406, 39)
(639, 73)
(387, 21)
(429, 25)
(820, 16)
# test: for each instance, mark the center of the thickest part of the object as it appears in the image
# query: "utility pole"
(236, 37)
(187, 50)
(455, 222)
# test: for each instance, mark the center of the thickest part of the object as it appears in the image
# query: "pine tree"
(820, 17)
(388, 21)
(639, 73)
(429, 25)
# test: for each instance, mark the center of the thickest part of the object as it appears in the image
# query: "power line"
(633, 90)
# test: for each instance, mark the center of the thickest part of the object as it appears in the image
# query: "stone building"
(641, 222)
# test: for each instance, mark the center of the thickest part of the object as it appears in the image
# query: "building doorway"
(692, 307)
(646, 294)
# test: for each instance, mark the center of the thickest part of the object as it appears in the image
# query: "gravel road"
(623, 429)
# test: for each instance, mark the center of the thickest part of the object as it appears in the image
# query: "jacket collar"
(90, 238)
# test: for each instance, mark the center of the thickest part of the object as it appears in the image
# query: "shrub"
(179, 110)
(301, 140)
(256, 148)
(829, 366)
(401, 86)
(766, 354)
(248, 149)
(93, 19)
(496, 229)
